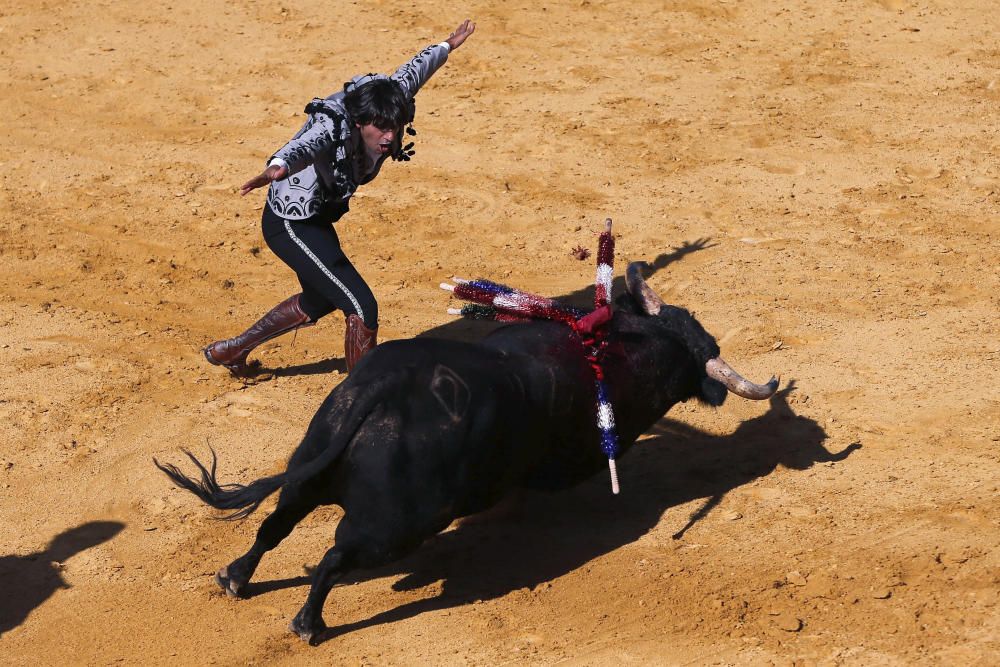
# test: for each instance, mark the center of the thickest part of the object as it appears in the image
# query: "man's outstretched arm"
(419, 69)
(298, 153)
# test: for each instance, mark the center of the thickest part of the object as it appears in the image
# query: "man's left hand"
(462, 32)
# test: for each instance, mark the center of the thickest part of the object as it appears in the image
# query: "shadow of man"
(28, 581)
(554, 534)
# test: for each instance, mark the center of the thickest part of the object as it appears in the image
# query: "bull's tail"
(246, 499)
(243, 499)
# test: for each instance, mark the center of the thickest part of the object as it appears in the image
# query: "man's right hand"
(273, 173)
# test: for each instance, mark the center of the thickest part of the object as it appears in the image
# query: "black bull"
(425, 431)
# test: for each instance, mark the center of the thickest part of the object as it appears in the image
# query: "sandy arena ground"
(817, 180)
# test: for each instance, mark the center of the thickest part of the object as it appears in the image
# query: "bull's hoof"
(310, 634)
(232, 588)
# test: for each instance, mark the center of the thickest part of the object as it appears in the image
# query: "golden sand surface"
(831, 167)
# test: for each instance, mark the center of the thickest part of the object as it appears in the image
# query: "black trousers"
(329, 280)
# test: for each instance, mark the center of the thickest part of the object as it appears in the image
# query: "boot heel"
(358, 340)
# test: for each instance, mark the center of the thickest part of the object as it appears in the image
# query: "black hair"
(699, 342)
(381, 103)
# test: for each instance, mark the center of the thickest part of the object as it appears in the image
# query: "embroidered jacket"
(326, 158)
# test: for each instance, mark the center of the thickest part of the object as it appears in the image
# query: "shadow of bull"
(675, 465)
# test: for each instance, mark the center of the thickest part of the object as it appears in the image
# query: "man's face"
(377, 140)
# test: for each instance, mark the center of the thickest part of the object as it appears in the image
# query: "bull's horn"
(638, 288)
(718, 369)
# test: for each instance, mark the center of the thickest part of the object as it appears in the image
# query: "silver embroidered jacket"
(326, 157)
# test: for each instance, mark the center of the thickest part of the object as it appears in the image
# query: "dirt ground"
(817, 180)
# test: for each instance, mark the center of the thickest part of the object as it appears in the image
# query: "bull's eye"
(713, 392)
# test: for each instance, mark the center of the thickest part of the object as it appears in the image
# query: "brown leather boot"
(232, 353)
(358, 339)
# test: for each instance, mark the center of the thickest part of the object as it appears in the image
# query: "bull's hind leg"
(308, 623)
(276, 527)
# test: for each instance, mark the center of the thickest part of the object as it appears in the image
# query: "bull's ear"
(713, 392)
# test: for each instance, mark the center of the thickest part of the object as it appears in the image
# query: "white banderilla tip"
(446, 286)
(454, 311)
(614, 476)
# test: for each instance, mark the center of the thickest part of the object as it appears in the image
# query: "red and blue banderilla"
(490, 300)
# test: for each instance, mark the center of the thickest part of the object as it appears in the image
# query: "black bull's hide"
(425, 431)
